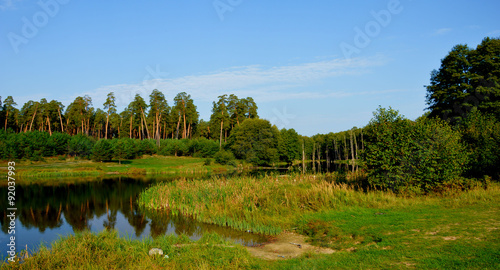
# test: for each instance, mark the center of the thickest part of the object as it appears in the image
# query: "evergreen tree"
(110, 108)
(290, 146)
(255, 141)
(466, 79)
(102, 151)
(9, 110)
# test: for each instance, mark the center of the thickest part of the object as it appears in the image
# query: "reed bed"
(268, 204)
(271, 204)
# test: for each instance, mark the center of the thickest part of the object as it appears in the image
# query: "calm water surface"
(45, 212)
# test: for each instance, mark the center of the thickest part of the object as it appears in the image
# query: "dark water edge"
(47, 212)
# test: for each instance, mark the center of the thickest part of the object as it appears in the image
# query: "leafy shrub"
(256, 141)
(207, 162)
(481, 134)
(224, 157)
(102, 151)
(171, 147)
(59, 143)
(81, 145)
(203, 147)
(412, 157)
(33, 144)
(146, 147)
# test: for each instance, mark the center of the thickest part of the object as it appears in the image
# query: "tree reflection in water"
(112, 201)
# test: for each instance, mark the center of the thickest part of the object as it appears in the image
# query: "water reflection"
(44, 212)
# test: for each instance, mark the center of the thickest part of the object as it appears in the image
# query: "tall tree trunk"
(362, 142)
(157, 125)
(314, 160)
(356, 147)
(220, 139)
(33, 118)
(352, 150)
(107, 122)
(145, 123)
(141, 133)
(184, 134)
(319, 158)
(6, 117)
(60, 118)
(88, 126)
(346, 152)
(131, 126)
(178, 125)
(327, 160)
(303, 158)
(335, 153)
(48, 122)
(157, 135)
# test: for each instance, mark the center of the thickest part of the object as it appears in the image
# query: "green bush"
(59, 143)
(172, 147)
(146, 147)
(224, 157)
(203, 147)
(81, 145)
(34, 145)
(119, 149)
(207, 162)
(412, 157)
(102, 151)
(256, 141)
(481, 134)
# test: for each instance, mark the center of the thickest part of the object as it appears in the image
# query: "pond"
(45, 212)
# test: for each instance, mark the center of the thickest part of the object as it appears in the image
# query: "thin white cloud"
(263, 84)
(441, 31)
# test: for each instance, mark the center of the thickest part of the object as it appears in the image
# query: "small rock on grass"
(155, 251)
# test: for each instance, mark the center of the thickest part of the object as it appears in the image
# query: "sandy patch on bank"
(286, 246)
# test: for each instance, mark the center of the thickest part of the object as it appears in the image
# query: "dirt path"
(286, 246)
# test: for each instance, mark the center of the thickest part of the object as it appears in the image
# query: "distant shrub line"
(36, 145)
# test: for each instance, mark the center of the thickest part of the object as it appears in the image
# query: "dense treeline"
(458, 138)
(35, 145)
(139, 120)
(456, 141)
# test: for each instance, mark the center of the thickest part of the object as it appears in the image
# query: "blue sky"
(315, 66)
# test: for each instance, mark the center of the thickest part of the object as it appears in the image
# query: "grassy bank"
(108, 251)
(370, 229)
(267, 204)
(148, 165)
(373, 230)
(271, 204)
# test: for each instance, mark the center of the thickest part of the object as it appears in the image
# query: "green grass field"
(148, 165)
(367, 230)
